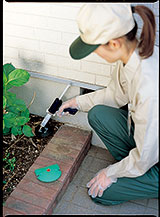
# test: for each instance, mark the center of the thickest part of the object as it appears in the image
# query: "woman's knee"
(96, 114)
(102, 115)
(106, 202)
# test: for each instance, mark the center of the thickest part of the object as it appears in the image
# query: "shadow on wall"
(31, 65)
(33, 86)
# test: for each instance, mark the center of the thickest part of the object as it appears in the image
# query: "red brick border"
(67, 148)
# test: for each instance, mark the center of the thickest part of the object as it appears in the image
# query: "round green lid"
(48, 174)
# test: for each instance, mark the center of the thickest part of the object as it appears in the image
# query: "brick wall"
(37, 37)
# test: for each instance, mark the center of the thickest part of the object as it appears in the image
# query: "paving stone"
(70, 192)
(93, 150)
(98, 164)
(127, 208)
(153, 203)
(84, 202)
(87, 162)
(81, 198)
(82, 177)
(50, 210)
(143, 202)
(22, 206)
(8, 211)
(69, 132)
(63, 141)
(76, 166)
(31, 198)
(61, 208)
(104, 154)
(102, 209)
(86, 178)
(62, 190)
(150, 211)
(61, 153)
(79, 176)
(38, 190)
(74, 209)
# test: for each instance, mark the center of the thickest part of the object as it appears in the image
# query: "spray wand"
(43, 131)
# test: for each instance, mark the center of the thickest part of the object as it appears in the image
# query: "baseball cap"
(99, 23)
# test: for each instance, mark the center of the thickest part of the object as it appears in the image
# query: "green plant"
(15, 112)
(10, 163)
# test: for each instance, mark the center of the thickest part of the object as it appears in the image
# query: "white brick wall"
(37, 37)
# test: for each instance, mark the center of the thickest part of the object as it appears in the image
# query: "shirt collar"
(130, 68)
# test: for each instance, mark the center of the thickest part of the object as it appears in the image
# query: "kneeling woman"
(130, 135)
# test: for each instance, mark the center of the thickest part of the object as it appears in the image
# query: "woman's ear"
(114, 44)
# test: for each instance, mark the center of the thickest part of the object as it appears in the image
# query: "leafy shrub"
(15, 112)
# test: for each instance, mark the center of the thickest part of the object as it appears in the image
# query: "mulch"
(20, 152)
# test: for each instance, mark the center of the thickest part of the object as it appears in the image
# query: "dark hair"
(147, 37)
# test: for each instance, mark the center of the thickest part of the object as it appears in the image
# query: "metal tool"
(43, 131)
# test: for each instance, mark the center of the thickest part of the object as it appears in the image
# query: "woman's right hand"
(68, 104)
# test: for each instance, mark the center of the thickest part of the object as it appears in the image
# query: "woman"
(131, 136)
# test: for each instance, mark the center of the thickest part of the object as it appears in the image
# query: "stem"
(15, 142)
(8, 181)
(34, 95)
(30, 139)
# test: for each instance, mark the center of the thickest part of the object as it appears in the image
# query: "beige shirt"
(136, 83)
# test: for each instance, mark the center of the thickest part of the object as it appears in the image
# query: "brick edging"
(67, 148)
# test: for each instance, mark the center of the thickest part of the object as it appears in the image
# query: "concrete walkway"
(76, 200)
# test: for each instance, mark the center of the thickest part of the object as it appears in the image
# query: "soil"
(25, 151)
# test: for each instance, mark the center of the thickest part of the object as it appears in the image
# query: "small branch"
(30, 139)
(34, 95)
(15, 142)
(8, 181)
(13, 137)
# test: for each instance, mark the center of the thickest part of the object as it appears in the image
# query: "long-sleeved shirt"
(136, 83)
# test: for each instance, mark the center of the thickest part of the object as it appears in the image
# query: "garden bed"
(20, 152)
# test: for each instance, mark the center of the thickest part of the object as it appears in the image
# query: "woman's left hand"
(99, 183)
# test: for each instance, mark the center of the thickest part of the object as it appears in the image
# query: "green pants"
(110, 124)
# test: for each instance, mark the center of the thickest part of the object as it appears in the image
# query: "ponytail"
(147, 37)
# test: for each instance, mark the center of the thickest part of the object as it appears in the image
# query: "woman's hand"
(99, 183)
(68, 104)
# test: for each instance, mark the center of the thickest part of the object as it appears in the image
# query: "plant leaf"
(8, 68)
(27, 130)
(16, 130)
(4, 102)
(17, 106)
(8, 86)
(9, 119)
(4, 79)
(6, 130)
(3, 125)
(18, 77)
(11, 97)
(21, 120)
(25, 113)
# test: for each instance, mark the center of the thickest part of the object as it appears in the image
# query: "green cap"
(98, 24)
(80, 49)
